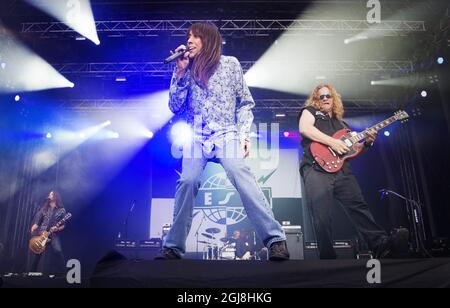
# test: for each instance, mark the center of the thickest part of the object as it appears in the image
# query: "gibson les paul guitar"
(38, 243)
(332, 162)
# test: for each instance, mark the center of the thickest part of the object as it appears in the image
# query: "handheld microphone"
(176, 55)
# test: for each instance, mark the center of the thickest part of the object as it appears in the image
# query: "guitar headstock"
(65, 218)
(401, 115)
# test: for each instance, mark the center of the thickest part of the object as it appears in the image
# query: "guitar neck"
(360, 136)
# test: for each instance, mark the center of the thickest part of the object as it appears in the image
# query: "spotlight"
(433, 79)
(346, 41)
(121, 78)
(48, 136)
(71, 85)
(17, 98)
(280, 115)
(115, 135)
(372, 83)
(107, 123)
(286, 134)
(181, 133)
(440, 60)
(82, 135)
(3, 65)
(149, 134)
(423, 93)
(254, 135)
(387, 133)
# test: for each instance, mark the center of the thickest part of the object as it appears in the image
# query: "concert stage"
(405, 273)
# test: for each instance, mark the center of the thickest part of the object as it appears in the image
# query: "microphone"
(176, 55)
(383, 192)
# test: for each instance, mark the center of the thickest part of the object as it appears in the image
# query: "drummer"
(242, 245)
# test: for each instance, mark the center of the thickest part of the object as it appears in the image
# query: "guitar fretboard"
(360, 136)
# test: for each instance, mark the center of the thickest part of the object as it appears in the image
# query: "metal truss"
(158, 69)
(260, 27)
(289, 107)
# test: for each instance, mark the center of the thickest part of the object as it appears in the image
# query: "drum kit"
(217, 249)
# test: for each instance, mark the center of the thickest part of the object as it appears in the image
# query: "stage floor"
(405, 273)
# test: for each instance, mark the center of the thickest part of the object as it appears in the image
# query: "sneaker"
(278, 251)
(167, 254)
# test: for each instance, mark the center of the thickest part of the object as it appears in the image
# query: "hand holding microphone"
(181, 54)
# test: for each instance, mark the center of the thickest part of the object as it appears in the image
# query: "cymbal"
(212, 230)
(208, 236)
(203, 242)
(225, 239)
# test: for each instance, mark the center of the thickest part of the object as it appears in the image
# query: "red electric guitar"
(332, 162)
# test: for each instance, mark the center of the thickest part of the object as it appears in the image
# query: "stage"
(198, 274)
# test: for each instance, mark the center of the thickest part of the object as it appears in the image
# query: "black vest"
(327, 126)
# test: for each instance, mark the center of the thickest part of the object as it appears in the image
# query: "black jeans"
(53, 261)
(321, 191)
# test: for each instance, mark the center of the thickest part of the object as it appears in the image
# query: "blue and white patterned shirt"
(218, 113)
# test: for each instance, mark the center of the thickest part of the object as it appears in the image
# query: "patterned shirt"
(219, 112)
(47, 219)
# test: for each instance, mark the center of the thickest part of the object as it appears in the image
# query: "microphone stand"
(196, 234)
(125, 223)
(416, 221)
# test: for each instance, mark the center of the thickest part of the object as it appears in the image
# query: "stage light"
(3, 65)
(254, 135)
(181, 133)
(17, 98)
(48, 136)
(107, 123)
(149, 134)
(121, 78)
(26, 70)
(424, 93)
(115, 135)
(440, 60)
(286, 134)
(372, 83)
(77, 14)
(280, 115)
(82, 135)
(387, 133)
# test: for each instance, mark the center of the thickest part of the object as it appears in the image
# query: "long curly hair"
(338, 106)
(207, 60)
(59, 203)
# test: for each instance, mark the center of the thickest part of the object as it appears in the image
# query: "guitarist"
(45, 220)
(318, 121)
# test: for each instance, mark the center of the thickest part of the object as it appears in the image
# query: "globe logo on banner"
(220, 202)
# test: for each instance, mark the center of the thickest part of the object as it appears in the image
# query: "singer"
(318, 121)
(210, 90)
(52, 261)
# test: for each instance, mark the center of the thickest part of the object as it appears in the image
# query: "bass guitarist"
(45, 220)
(318, 121)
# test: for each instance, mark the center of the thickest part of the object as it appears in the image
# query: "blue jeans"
(230, 156)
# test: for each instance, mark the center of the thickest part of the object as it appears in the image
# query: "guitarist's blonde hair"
(314, 100)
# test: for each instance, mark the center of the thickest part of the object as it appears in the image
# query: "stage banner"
(218, 209)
